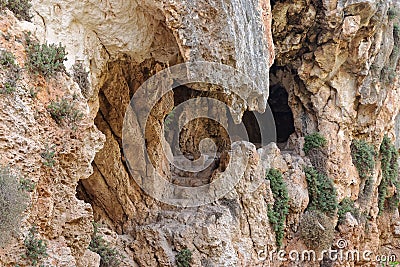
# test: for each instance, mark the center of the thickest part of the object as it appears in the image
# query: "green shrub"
(35, 249)
(13, 202)
(392, 13)
(7, 60)
(46, 59)
(316, 230)
(183, 258)
(363, 157)
(322, 192)
(278, 212)
(20, 8)
(48, 156)
(26, 185)
(396, 31)
(8, 88)
(391, 74)
(347, 205)
(109, 257)
(33, 93)
(390, 175)
(169, 119)
(395, 51)
(64, 110)
(312, 141)
(81, 77)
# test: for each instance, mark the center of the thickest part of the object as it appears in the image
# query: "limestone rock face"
(27, 131)
(167, 31)
(336, 61)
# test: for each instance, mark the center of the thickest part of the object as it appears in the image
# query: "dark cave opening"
(252, 127)
(187, 139)
(197, 142)
(279, 103)
(258, 127)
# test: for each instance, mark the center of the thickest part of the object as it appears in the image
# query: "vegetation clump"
(7, 59)
(81, 77)
(109, 257)
(312, 141)
(13, 202)
(347, 205)
(278, 212)
(8, 62)
(363, 157)
(390, 176)
(183, 258)
(26, 185)
(20, 8)
(46, 59)
(392, 13)
(48, 156)
(63, 110)
(322, 192)
(396, 31)
(35, 249)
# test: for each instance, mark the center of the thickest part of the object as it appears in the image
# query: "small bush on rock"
(311, 141)
(390, 176)
(322, 192)
(109, 257)
(48, 156)
(392, 13)
(183, 258)
(20, 8)
(8, 62)
(81, 77)
(35, 249)
(64, 110)
(363, 157)
(396, 32)
(46, 59)
(347, 205)
(277, 213)
(7, 59)
(8, 88)
(27, 185)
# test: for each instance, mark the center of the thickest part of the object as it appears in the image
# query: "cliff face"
(27, 133)
(323, 66)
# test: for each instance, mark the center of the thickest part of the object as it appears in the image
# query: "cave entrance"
(252, 127)
(279, 104)
(204, 140)
(196, 137)
(259, 128)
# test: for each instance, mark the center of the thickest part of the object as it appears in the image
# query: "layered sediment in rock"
(335, 63)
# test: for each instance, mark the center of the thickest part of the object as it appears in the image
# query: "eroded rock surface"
(336, 61)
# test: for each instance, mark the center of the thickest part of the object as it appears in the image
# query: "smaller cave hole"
(201, 144)
(283, 115)
(252, 127)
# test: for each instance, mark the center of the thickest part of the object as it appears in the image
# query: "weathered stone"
(336, 60)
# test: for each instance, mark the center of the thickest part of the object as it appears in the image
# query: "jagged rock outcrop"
(27, 131)
(335, 61)
(339, 65)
